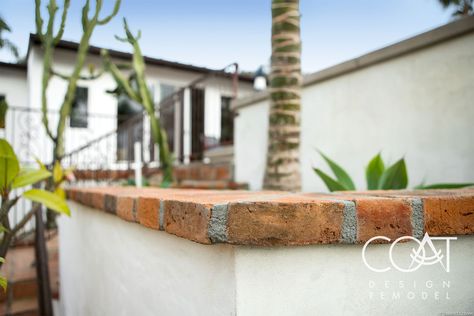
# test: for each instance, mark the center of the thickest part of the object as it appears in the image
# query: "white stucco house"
(194, 102)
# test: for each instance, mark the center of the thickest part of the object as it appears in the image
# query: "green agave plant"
(378, 177)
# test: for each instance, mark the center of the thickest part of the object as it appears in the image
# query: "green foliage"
(395, 177)
(374, 171)
(58, 173)
(50, 200)
(29, 177)
(40, 164)
(3, 280)
(444, 186)
(137, 90)
(333, 185)
(13, 178)
(9, 166)
(463, 7)
(131, 182)
(6, 43)
(342, 177)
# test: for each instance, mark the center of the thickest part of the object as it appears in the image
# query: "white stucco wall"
(13, 86)
(112, 267)
(333, 280)
(418, 106)
(250, 144)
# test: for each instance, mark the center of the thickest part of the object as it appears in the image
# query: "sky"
(215, 33)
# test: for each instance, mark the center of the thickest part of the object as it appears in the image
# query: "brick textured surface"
(452, 215)
(281, 218)
(383, 216)
(285, 221)
(147, 211)
(126, 208)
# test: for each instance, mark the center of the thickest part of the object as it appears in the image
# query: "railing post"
(42, 268)
(138, 164)
(186, 126)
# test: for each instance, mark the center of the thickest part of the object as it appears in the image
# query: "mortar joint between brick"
(349, 224)
(417, 218)
(217, 229)
(134, 209)
(161, 214)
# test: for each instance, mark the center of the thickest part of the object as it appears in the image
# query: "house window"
(227, 121)
(166, 90)
(79, 109)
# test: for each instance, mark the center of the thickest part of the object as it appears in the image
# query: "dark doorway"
(197, 124)
(129, 127)
(167, 119)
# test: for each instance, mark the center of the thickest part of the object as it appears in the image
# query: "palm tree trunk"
(282, 170)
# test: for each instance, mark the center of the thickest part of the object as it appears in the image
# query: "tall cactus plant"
(49, 40)
(142, 95)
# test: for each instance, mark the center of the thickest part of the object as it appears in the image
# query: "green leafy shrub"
(378, 177)
(12, 177)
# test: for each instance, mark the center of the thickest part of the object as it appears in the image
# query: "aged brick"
(148, 212)
(187, 219)
(290, 221)
(126, 208)
(383, 217)
(86, 198)
(449, 215)
(222, 173)
(377, 215)
(97, 200)
(110, 203)
(279, 218)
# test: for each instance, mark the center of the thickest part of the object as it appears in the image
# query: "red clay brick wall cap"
(269, 218)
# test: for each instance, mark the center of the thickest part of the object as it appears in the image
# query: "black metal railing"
(105, 156)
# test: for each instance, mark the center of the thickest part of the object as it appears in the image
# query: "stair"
(198, 175)
(20, 299)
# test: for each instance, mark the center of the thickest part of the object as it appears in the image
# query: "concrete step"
(20, 271)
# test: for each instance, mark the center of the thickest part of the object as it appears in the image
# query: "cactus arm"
(98, 7)
(52, 9)
(85, 78)
(60, 33)
(48, 52)
(114, 13)
(85, 13)
(139, 68)
(119, 77)
(38, 18)
(47, 42)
